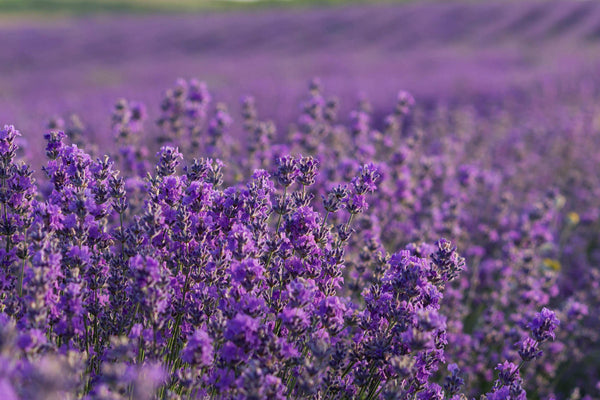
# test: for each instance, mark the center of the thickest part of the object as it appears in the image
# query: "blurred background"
(79, 56)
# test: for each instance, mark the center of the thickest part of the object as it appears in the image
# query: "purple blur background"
(441, 52)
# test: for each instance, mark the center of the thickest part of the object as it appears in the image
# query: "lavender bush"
(320, 263)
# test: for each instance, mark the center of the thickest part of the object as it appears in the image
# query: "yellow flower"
(552, 264)
(573, 218)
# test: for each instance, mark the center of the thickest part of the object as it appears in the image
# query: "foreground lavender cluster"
(308, 265)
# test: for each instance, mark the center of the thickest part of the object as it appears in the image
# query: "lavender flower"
(543, 325)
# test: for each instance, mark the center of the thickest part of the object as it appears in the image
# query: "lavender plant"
(306, 265)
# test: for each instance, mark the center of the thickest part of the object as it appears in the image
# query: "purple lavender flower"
(287, 171)
(543, 325)
(242, 330)
(169, 159)
(367, 179)
(529, 349)
(199, 349)
(454, 381)
(307, 171)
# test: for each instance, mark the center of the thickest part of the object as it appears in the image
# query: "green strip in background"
(75, 7)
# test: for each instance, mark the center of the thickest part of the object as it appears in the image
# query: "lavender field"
(384, 201)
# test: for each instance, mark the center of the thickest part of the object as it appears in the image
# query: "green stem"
(277, 233)
(122, 237)
(349, 221)
(5, 216)
(154, 332)
(293, 378)
(132, 322)
(141, 353)
(85, 336)
(22, 272)
(280, 215)
(172, 347)
(324, 220)
(373, 389)
(363, 388)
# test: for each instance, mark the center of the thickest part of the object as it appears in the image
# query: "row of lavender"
(468, 49)
(304, 265)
